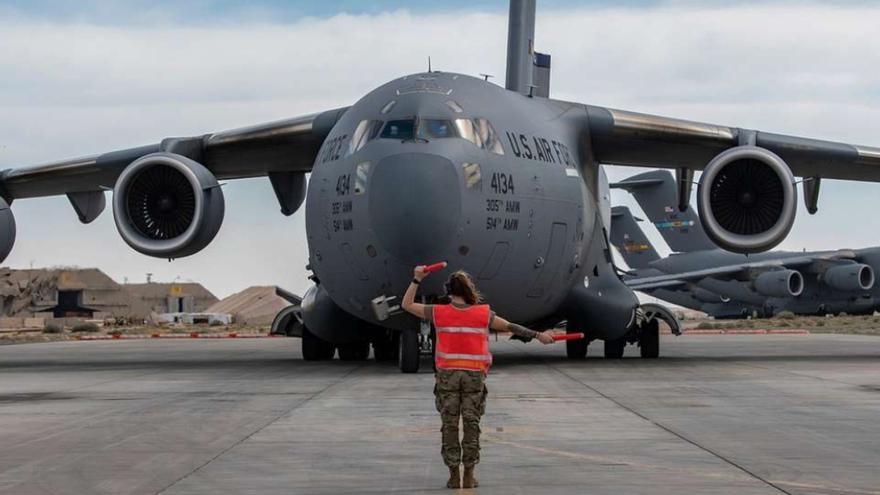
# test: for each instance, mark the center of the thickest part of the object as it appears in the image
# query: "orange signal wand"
(436, 266)
(568, 336)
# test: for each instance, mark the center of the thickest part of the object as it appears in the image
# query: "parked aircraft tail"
(630, 240)
(655, 192)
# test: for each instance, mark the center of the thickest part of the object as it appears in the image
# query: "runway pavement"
(743, 414)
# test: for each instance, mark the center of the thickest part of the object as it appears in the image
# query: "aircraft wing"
(620, 137)
(289, 145)
(738, 271)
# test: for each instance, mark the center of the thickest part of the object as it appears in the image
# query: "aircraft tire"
(386, 347)
(614, 348)
(649, 341)
(409, 356)
(354, 352)
(315, 348)
(576, 349)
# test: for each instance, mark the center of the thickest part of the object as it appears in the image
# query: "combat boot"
(469, 480)
(454, 478)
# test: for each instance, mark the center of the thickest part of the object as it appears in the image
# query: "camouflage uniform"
(460, 394)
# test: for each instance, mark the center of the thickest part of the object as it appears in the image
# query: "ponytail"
(460, 284)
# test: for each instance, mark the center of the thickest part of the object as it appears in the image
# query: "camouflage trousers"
(460, 396)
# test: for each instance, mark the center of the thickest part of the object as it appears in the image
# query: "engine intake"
(852, 277)
(7, 230)
(780, 283)
(747, 199)
(167, 205)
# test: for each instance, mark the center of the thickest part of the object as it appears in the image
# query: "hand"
(419, 273)
(546, 337)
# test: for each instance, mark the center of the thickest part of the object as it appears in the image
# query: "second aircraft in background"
(700, 276)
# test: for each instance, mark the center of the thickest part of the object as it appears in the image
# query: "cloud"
(74, 88)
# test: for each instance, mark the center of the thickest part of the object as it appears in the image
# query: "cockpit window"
(481, 133)
(478, 131)
(366, 131)
(399, 129)
(435, 129)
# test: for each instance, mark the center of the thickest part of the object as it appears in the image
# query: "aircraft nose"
(415, 205)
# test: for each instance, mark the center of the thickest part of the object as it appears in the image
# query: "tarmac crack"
(261, 428)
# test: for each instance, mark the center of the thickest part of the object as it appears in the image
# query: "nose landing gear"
(414, 346)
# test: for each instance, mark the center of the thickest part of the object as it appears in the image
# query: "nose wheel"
(414, 345)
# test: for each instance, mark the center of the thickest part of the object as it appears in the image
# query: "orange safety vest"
(462, 338)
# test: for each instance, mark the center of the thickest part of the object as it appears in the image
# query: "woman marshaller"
(462, 361)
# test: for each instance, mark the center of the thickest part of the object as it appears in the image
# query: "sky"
(78, 78)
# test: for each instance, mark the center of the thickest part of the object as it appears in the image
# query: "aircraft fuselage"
(441, 166)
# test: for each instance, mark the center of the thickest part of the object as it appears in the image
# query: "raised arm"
(499, 324)
(409, 303)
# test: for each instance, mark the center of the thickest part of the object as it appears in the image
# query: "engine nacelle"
(779, 283)
(747, 199)
(167, 206)
(7, 230)
(852, 277)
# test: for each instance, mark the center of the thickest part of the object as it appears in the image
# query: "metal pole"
(520, 45)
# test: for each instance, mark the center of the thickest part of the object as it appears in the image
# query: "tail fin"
(630, 240)
(656, 194)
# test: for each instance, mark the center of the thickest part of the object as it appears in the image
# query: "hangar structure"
(90, 293)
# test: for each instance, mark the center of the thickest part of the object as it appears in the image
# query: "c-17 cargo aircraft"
(730, 285)
(503, 182)
(639, 254)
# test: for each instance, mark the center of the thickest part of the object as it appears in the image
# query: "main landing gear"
(645, 333)
(314, 348)
(385, 348)
(576, 349)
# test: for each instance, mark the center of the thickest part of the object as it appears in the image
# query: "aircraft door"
(548, 264)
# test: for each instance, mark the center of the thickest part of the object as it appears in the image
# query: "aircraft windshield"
(435, 129)
(478, 131)
(399, 129)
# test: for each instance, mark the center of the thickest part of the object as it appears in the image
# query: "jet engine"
(779, 283)
(747, 199)
(7, 229)
(852, 277)
(167, 205)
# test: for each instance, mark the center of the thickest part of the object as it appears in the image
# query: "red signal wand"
(436, 266)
